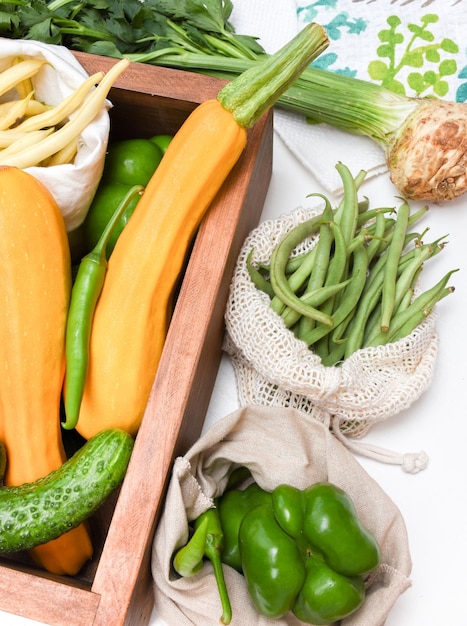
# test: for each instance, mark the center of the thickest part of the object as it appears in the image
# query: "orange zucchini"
(35, 282)
(132, 313)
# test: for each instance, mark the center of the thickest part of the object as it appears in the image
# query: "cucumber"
(37, 512)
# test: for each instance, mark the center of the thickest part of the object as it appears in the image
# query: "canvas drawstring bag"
(278, 445)
(274, 368)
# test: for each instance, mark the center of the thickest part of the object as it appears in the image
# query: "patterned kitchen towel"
(415, 47)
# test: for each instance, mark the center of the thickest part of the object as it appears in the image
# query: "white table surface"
(433, 501)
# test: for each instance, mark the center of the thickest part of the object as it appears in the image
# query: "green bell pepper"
(233, 506)
(104, 204)
(304, 551)
(131, 161)
(128, 162)
(307, 552)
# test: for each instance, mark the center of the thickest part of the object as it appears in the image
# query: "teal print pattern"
(334, 28)
(326, 61)
(309, 12)
(421, 52)
(461, 93)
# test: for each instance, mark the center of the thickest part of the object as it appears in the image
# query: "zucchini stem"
(254, 91)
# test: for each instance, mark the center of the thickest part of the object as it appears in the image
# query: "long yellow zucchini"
(35, 281)
(131, 317)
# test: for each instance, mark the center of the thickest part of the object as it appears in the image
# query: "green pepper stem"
(99, 252)
(254, 91)
(213, 549)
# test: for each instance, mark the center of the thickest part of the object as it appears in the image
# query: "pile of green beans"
(356, 287)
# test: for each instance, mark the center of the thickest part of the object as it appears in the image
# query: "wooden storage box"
(115, 587)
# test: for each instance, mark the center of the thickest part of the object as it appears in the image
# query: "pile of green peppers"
(304, 551)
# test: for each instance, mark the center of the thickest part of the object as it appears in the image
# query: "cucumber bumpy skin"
(37, 512)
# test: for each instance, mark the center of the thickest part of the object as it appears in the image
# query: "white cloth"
(72, 185)
(353, 26)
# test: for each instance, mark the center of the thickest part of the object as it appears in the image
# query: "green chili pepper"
(189, 559)
(84, 295)
(206, 542)
(304, 551)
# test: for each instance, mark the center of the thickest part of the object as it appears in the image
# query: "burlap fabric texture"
(274, 368)
(278, 446)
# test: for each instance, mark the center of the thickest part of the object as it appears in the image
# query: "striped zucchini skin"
(35, 513)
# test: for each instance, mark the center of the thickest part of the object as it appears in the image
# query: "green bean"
(334, 275)
(347, 218)
(423, 302)
(372, 326)
(281, 254)
(314, 263)
(84, 296)
(320, 260)
(259, 281)
(376, 271)
(294, 262)
(409, 294)
(351, 296)
(282, 287)
(389, 234)
(371, 214)
(337, 334)
(377, 236)
(408, 275)
(365, 307)
(314, 298)
(408, 264)
(323, 252)
(371, 299)
(363, 204)
(418, 317)
(333, 356)
(390, 273)
(358, 180)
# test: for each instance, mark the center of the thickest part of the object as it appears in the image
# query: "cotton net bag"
(72, 185)
(274, 368)
(278, 445)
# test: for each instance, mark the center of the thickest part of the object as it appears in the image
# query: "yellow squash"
(132, 313)
(131, 317)
(35, 281)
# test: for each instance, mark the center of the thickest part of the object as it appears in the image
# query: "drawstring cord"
(410, 462)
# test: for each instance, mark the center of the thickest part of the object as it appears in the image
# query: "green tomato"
(105, 202)
(162, 141)
(131, 162)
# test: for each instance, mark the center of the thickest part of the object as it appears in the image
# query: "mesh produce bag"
(278, 446)
(274, 368)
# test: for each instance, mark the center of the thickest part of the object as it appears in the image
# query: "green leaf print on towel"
(421, 52)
